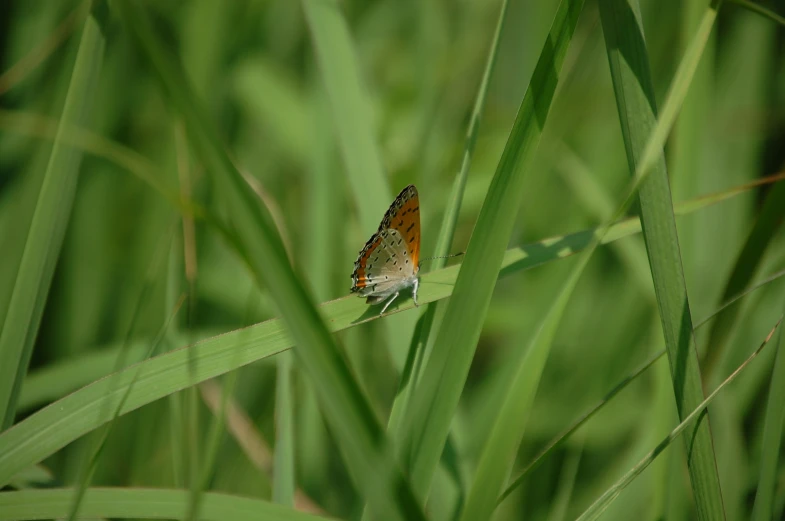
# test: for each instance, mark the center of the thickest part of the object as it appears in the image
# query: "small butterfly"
(389, 261)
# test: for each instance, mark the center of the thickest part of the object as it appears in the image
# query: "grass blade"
(137, 503)
(772, 436)
(558, 440)
(53, 427)
(283, 468)
(637, 112)
(768, 222)
(358, 431)
(47, 229)
(599, 506)
(436, 397)
(498, 454)
(759, 9)
(350, 107)
(422, 332)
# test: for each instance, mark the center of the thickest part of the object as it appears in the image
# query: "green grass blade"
(351, 109)
(759, 9)
(436, 397)
(357, 429)
(635, 100)
(137, 503)
(39, 435)
(355, 132)
(561, 438)
(581, 420)
(599, 506)
(47, 229)
(283, 468)
(422, 332)
(54, 381)
(772, 436)
(751, 255)
(498, 453)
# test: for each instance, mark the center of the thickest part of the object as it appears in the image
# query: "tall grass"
(274, 134)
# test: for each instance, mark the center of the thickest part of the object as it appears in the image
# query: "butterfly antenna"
(441, 257)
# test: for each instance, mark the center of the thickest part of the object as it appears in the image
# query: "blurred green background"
(128, 252)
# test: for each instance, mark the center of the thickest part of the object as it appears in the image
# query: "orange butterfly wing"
(404, 216)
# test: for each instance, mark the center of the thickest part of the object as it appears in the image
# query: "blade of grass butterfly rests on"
(145, 503)
(439, 389)
(630, 73)
(602, 503)
(48, 225)
(53, 427)
(358, 432)
(772, 438)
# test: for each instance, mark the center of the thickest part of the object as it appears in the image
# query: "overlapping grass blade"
(558, 440)
(355, 131)
(437, 394)
(637, 112)
(351, 109)
(599, 506)
(761, 10)
(47, 228)
(422, 333)
(358, 432)
(53, 427)
(772, 437)
(498, 453)
(561, 438)
(138, 503)
(768, 222)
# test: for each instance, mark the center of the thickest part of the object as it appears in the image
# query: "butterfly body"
(389, 261)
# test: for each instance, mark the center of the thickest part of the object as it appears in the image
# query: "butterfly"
(389, 261)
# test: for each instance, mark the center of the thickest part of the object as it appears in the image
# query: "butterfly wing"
(384, 266)
(404, 216)
(389, 260)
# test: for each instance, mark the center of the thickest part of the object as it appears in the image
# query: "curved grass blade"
(599, 506)
(422, 332)
(765, 229)
(627, 55)
(92, 461)
(30, 61)
(559, 440)
(47, 228)
(253, 235)
(763, 509)
(240, 427)
(350, 107)
(121, 503)
(759, 9)
(499, 450)
(437, 394)
(53, 427)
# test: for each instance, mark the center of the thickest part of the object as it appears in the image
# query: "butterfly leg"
(414, 291)
(389, 302)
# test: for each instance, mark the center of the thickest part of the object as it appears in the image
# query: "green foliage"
(190, 179)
